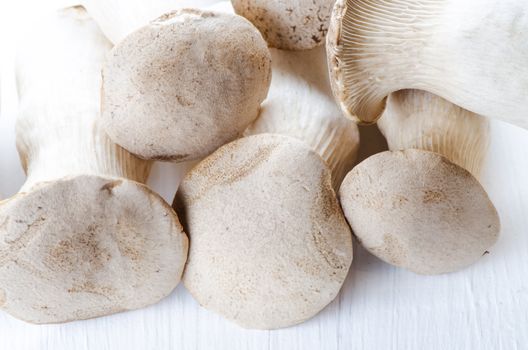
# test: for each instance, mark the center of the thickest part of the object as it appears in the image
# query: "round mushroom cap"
(187, 83)
(87, 246)
(288, 25)
(417, 210)
(270, 245)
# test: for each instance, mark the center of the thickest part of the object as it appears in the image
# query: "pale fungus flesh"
(421, 120)
(300, 104)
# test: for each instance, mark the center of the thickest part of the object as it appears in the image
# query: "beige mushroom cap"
(416, 210)
(187, 83)
(270, 245)
(87, 246)
(288, 25)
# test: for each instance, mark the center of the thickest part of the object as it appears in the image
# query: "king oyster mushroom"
(82, 238)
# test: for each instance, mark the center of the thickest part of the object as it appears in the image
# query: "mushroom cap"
(276, 248)
(87, 246)
(182, 86)
(288, 25)
(416, 210)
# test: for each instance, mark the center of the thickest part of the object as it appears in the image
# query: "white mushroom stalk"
(300, 104)
(57, 132)
(51, 144)
(418, 119)
(118, 18)
(82, 238)
(470, 52)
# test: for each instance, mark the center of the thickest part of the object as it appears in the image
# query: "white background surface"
(380, 307)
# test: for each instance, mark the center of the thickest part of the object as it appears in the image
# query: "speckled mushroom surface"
(416, 210)
(82, 238)
(287, 24)
(87, 246)
(274, 248)
(187, 83)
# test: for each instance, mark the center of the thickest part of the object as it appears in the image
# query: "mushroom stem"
(455, 49)
(77, 147)
(418, 119)
(62, 138)
(300, 104)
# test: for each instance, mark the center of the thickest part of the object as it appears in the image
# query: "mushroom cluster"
(268, 104)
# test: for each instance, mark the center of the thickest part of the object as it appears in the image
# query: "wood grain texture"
(380, 307)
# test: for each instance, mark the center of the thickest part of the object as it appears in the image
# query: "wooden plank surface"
(380, 307)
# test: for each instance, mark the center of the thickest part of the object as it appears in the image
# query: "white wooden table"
(380, 307)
